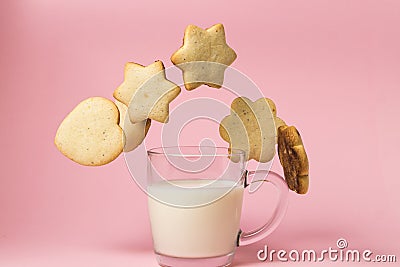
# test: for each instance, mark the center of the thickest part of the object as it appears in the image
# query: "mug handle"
(247, 238)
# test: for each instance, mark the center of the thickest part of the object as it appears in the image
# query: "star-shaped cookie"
(204, 56)
(251, 127)
(147, 92)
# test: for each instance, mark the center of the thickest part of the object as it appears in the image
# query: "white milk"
(204, 231)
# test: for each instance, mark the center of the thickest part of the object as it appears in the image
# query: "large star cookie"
(147, 92)
(293, 158)
(250, 127)
(204, 56)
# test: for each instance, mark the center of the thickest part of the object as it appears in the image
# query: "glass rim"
(176, 151)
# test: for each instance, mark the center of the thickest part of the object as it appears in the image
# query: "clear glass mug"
(195, 202)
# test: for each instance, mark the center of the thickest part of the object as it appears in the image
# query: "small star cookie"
(251, 127)
(147, 92)
(204, 56)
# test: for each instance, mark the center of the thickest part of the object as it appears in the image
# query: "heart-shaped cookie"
(90, 134)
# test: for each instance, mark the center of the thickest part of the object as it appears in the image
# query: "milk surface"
(207, 226)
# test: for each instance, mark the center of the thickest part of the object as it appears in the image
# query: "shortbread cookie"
(250, 127)
(90, 134)
(293, 158)
(272, 106)
(279, 122)
(204, 56)
(134, 133)
(149, 91)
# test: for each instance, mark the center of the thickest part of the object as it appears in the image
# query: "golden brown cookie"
(90, 134)
(293, 158)
(204, 56)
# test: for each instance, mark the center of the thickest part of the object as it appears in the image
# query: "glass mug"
(195, 198)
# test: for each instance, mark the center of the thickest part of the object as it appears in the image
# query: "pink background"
(332, 67)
